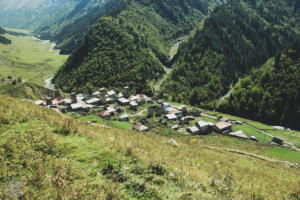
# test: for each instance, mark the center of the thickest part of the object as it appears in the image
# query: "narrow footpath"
(287, 144)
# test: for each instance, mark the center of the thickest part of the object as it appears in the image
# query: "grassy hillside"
(131, 46)
(271, 93)
(29, 58)
(52, 155)
(235, 38)
(25, 91)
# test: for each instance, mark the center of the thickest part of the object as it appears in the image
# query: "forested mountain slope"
(236, 38)
(271, 93)
(69, 31)
(130, 46)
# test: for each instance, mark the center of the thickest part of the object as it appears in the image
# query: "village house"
(139, 99)
(223, 127)
(171, 117)
(178, 113)
(187, 119)
(140, 127)
(111, 110)
(204, 127)
(94, 101)
(193, 130)
(123, 102)
(105, 114)
(124, 118)
(76, 107)
(112, 94)
(133, 105)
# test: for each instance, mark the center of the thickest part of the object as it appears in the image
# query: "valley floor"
(29, 58)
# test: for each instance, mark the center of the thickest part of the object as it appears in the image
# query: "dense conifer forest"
(272, 93)
(237, 37)
(130, 47)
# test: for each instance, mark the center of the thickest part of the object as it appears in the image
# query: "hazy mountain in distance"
(69, 31)
(30, 14)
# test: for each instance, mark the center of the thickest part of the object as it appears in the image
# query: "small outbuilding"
(187, 119)
(124, 118)
(140, 127)
(239, 134)
(112, 93)
(105, 114)
(193, 130)
(222, 127)
(204, 127)
(93, 101)
(76, 106)
(171, 117)
(133, 105)
(123, 102)
(111, 110)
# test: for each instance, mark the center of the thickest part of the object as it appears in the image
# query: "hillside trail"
(48, 84)
(251, 155)
(231, 89)
(172, 53)
(287, 144)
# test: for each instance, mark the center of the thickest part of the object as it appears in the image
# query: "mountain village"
(143, 112)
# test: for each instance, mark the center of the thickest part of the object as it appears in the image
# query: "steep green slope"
(69, 31)
(131, 46)
(26, 90)
(237, 37)
(271, 93)
(47, 155)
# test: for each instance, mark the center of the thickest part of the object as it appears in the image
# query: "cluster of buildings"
(111, 103)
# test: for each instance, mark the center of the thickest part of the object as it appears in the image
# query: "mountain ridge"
(150, 26)
(235, 38)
